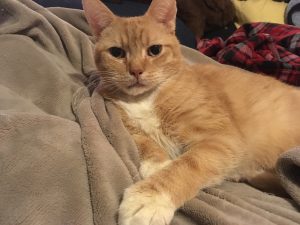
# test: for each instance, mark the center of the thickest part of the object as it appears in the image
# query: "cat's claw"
(141, 207)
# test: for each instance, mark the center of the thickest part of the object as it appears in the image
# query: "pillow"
(259, 11)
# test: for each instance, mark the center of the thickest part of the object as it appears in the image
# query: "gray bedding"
(66, 158)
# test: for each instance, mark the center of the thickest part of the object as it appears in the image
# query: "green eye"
(154, 50)
(117, 52)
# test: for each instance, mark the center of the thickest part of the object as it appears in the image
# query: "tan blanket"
(66, 158)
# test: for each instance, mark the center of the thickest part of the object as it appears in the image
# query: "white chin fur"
(134, 91)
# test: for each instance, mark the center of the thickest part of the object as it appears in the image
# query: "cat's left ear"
(97, 15)
(164, 11)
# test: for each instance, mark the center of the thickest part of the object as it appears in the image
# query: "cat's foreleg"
(152, 156)
(155, 199)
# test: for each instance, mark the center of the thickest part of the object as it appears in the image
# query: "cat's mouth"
(137, 84)
(138, 87)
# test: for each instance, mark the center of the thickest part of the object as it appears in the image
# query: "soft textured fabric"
(65, 157)
(43, 178)
(288, 167)
(267, 48)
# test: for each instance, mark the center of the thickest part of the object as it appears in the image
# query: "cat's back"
(242, 86)
(263, 109)
(247, 93)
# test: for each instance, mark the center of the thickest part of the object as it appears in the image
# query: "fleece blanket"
(66, 158)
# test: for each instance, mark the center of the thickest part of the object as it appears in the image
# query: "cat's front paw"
(149, 167)
(145, 207)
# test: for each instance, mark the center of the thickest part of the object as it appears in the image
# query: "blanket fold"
(288, 167)
(108, 168)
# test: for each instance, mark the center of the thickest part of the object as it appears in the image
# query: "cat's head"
(135, 54)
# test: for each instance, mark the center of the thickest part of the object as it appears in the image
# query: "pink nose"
(136, 72)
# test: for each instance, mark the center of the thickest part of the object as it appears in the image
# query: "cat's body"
(259, 114)
(194, 125)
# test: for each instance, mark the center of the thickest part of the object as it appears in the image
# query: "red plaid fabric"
(267, 48)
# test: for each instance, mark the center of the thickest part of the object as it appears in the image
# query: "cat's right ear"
(164, 11)
(97, 15)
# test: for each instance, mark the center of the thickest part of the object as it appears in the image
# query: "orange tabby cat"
(194, 125)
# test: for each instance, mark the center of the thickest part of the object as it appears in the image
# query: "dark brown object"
(205, 15)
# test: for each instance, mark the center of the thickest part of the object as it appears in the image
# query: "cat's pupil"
(154, 50)
(117, 52)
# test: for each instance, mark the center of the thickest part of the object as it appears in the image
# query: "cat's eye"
(154, 50)
(117, 52)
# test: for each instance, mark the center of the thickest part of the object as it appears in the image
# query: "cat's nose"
(136, 72)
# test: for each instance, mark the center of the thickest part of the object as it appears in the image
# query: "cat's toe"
(141, 207)
(149, 167)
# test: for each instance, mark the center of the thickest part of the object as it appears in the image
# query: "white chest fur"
(144, 116)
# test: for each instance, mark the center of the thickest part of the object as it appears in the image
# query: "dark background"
(126, 8)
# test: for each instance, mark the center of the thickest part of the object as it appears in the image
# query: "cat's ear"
(164, 11)
(97, 15)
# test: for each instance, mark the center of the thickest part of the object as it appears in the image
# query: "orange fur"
(215, 122)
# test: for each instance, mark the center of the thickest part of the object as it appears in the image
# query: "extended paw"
(142, 207)
(149, 167)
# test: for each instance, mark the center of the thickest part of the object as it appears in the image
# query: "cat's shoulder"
(214, 70)
(213, 67)
(208, 71)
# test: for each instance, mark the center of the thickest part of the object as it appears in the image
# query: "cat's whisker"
(107, 85)
(109, 74)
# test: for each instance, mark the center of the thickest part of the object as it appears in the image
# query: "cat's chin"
(138, 89)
